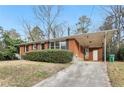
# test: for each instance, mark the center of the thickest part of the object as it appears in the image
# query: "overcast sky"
(10, 16)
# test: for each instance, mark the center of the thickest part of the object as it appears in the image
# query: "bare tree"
(47, 14)
(58, 30)
(117, 15)
(13, 34)
(27, 28)
(107, 24)
(83, 24)
(37, 33)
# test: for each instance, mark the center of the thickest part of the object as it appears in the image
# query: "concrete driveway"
(81, 74)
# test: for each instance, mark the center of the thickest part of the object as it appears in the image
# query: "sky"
(11, 16)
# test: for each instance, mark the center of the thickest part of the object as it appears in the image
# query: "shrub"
(1, 56)
(8, 54)
(50, 55)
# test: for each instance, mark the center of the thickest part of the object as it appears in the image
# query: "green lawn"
(26, 73)
(116, 73)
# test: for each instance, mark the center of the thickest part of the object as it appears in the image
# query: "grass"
(116, 73)
(26, 73)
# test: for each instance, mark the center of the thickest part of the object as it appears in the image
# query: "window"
(42, 46)
(27, 48)
(37, 46)
(57, 45)
(34, 46)
(63, 45)
(52, 45)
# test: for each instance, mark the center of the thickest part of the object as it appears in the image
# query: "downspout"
(105, 47)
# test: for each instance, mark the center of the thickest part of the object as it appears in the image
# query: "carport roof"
(94, 39)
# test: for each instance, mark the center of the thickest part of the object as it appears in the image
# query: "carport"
(96, 40)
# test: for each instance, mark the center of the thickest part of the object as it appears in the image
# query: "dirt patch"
(26, 73)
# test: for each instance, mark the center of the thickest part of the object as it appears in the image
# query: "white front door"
(95, 55)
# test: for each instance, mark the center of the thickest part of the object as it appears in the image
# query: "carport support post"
(105, 47)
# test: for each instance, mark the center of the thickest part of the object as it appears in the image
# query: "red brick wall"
(79, 51)
(30, 48)
(100, 53)
(91, 54)
(72, 46)
(75, 48)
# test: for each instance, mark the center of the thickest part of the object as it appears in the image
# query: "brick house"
(87, 47)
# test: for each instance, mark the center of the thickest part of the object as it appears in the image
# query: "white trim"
(60, 44)
(65, 44)
(40, 46)
(50, 45)
(54, 45)
(26, 46)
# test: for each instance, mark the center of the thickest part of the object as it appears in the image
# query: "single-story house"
(87, 46)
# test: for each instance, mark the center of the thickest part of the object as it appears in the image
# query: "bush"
(1, 56)
(54, 56)
(8, 54)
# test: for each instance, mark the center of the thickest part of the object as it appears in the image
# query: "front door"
(95, 55)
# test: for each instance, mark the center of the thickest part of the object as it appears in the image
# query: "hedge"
(49, 55)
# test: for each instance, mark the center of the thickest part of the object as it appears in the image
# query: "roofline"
(67, 37)
(94, 32)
